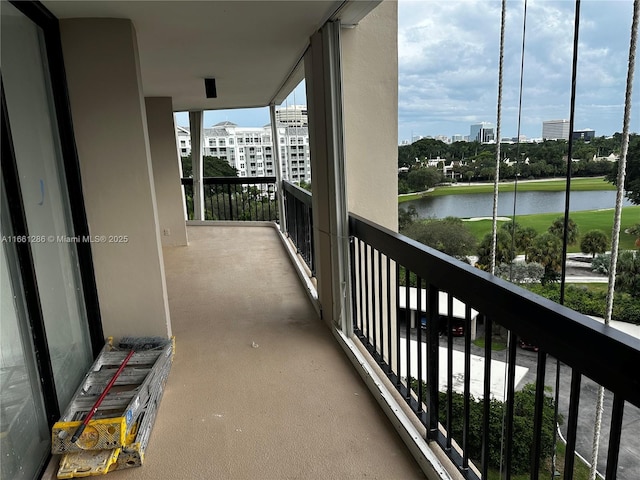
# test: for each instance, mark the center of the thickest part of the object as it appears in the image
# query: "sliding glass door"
(45, 344)
(24, 433)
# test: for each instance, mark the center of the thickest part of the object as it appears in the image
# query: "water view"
(481, 204)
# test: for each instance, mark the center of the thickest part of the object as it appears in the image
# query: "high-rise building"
(481, 132)
(586, 134)
(555, 130)
(250, 149)
(293, 116)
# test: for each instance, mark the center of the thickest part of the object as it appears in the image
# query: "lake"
(481, 204)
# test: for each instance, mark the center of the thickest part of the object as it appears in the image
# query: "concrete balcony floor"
(259, 387)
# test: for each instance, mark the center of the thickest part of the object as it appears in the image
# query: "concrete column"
(370, 95)
(110, 125)
(276, 160)
(330, 220)
(166, 170)
(195, 124)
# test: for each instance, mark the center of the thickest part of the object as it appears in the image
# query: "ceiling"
(251, 48)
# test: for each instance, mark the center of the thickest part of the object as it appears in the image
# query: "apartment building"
(250, 150)
(555, 130)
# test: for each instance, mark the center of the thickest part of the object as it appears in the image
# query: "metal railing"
(410, 301)
(299, 221)
(235, 198)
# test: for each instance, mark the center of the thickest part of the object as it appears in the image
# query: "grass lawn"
(580, 469)
(577, 185)
(592, 287)
(586, 220)
(495, 346)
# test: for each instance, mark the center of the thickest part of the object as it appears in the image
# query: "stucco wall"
(166, 171)
(110, 126)
(370, 91)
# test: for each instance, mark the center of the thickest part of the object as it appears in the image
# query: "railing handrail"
(229, 180)
(575, 340)
(300, 193)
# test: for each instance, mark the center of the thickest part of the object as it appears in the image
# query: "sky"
(448, 54)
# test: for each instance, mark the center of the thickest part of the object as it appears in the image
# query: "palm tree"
(557, 229)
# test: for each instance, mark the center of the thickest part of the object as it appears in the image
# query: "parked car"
(525, 345)
(457, 330)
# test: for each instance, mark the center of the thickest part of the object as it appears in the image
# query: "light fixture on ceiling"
(210, 87)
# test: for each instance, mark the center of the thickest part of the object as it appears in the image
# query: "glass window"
(25, 433)
(46, 205)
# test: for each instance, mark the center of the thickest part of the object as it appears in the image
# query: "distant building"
(457, 138)
(293, 116)
(587, 134)
(555, 130)
(481, 132)
(250, 149)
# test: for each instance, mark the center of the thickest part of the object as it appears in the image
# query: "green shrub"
(522, 438)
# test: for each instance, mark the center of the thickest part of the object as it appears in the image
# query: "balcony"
(259, 387)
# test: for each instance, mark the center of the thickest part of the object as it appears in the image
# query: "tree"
(504, 254)
(523, 235)
(594, 241)
(406, 217)
(420, 179)
(627, 270)
(632, 178)
(628, 273)
(557, 229)
(212, 167)
(524, 403)
(449, 235)
(546, 249)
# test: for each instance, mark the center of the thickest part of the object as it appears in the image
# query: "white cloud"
(448, 65)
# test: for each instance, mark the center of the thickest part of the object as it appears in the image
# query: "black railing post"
(433, 346)
(572, 424)
(486, 400)
(230, 204)
(538, 417)
(508, 430)
(615, 433)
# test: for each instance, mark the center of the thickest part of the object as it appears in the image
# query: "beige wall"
(370, 90)
(110, 125)
(322, 200)
(166, 170)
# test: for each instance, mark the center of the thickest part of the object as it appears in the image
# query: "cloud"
(448, 56)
